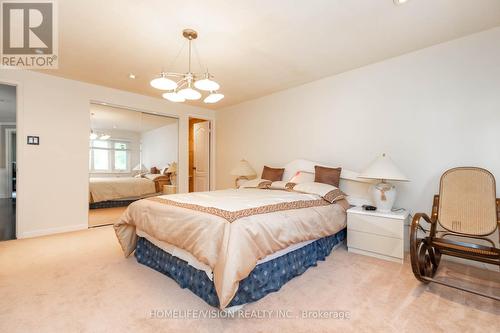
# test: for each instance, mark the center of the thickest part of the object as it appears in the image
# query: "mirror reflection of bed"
(132, 155)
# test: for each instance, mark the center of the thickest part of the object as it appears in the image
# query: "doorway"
(8, 161)
(199, 154)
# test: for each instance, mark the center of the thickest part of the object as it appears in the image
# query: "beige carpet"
(80, 282)
(104, 216)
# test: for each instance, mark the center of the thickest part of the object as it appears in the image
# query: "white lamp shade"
(162, 83)
(383, 168)
(243, 169)
(190, 93)
(207, 85)
(173, 97)
(172, 168)
(213, 98)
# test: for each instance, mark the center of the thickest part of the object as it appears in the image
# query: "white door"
(201, 158)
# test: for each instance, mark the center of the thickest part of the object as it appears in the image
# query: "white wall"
(53, 177)
(430, 110)
(159, 146)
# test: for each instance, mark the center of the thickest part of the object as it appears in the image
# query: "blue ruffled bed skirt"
(265, 278)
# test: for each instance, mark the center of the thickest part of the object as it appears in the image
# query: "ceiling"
(7, 103)
(105, 117)
(253, 48)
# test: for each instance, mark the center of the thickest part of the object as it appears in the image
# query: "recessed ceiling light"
(131, 76)
(400, 2)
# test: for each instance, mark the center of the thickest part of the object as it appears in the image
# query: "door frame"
(211, 151)
(19, 151)
(8, 160)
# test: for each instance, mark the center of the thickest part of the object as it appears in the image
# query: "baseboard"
(51, 231)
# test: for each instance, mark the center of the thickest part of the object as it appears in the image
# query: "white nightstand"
(169, 189)
(381, 235)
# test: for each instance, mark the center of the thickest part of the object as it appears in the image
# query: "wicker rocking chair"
(465, 207)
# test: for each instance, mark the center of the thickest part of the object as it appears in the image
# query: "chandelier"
(181, 86)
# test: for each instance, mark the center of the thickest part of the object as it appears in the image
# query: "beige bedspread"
(113, 188)
(231, 230)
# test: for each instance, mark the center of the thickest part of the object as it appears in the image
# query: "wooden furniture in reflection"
(169, 189)
(160, 181)
(464, 214)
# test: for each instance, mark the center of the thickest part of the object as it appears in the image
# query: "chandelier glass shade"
(162, 83)
(173, 97)
(214, 97)
(185, 86)
(190, 94)
(206, 85)
(101, 136)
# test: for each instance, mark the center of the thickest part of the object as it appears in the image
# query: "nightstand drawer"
(376, 225)
(388, 246)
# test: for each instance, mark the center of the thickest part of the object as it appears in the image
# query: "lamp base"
(384, 195)
(173, 179)
(238, 181)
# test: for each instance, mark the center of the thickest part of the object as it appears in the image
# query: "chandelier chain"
(172, 63)
(200, 64)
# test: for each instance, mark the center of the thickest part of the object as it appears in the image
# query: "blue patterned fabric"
(110, 203)
(264, 278)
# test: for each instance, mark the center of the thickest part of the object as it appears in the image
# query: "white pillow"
(152, 176)
(328, 192)
(302, 177)
(256, 183)
(278, 185)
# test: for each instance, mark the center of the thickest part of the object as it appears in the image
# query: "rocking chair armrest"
(419, 216)
(416, 223)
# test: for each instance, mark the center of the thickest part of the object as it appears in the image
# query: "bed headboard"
(357, 188)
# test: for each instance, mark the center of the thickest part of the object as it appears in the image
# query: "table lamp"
(139, 168)
(172, 169)
(242, 171)
(384, 193)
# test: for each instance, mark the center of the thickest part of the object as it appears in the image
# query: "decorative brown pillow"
(272, 174)
(326, 175)
(154, 170)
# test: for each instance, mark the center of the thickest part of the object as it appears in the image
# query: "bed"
(234, 246)
(110, 189)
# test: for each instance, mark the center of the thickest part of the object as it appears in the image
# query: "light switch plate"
(33, 140)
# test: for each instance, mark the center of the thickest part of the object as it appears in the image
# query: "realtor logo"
(29, 34)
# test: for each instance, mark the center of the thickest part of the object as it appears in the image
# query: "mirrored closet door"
(132, 155)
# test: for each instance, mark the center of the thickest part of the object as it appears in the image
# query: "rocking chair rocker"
(465, 207)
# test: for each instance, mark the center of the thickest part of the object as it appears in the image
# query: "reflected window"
(109, 156)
